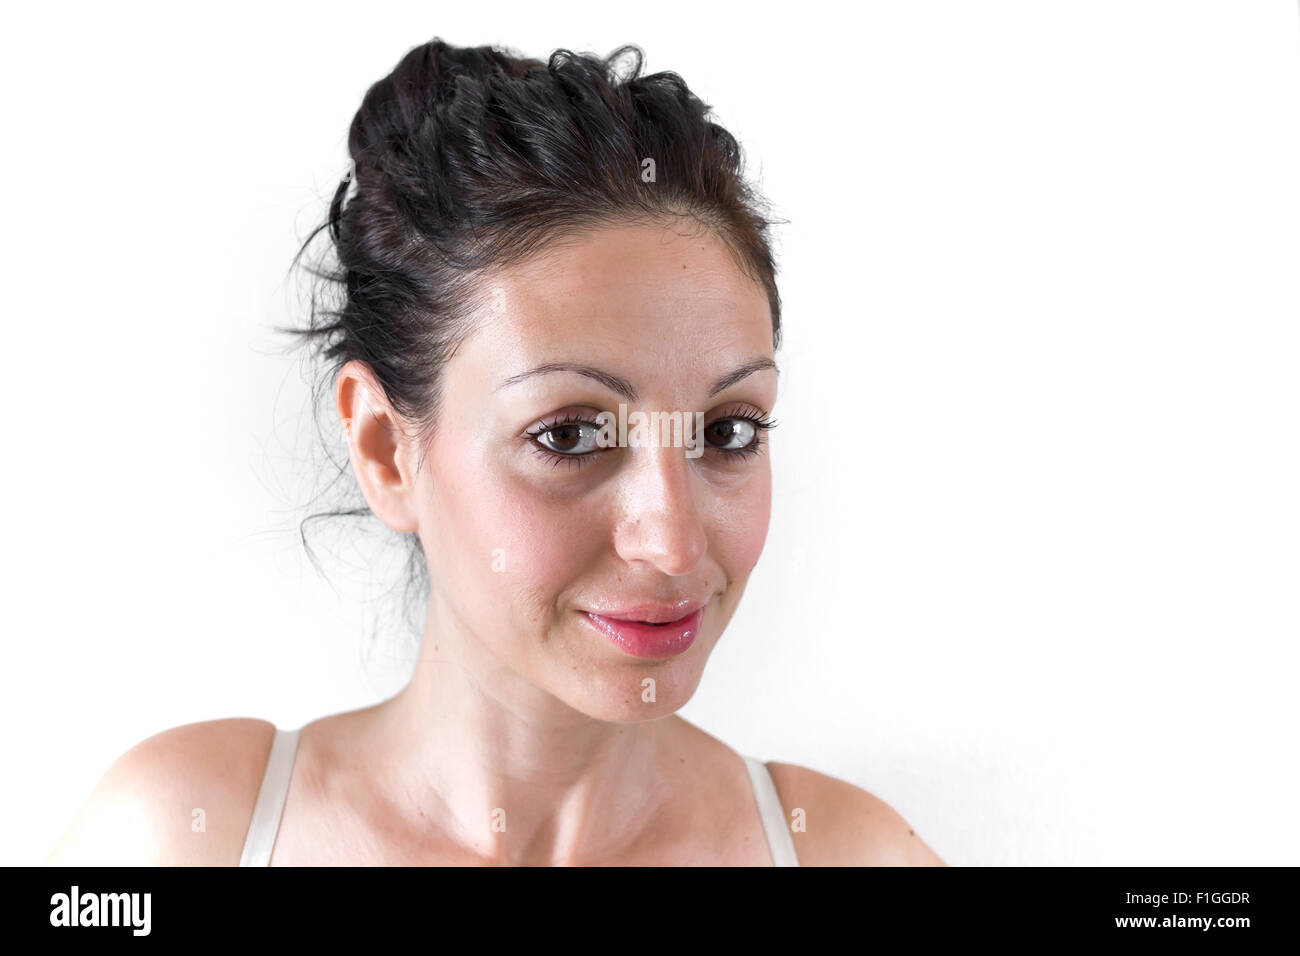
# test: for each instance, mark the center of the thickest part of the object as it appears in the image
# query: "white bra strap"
(265, 823)
(779, 840)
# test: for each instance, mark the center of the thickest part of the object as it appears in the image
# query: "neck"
(519, 775)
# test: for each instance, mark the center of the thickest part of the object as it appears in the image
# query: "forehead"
(646, 299)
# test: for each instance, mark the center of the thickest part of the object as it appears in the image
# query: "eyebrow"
(749, 368)
(623, 387)
(612, 382)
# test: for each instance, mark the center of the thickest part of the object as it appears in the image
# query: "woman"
(535, 255)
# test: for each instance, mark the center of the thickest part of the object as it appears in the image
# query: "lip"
(651, 612)
(631, 630)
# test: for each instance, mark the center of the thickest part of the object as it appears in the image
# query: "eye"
(731, 434)
(739, 435)
(569, 439)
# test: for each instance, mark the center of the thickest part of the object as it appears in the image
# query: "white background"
(1032, 573)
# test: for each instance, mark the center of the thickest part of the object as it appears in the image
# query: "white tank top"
(265, 822)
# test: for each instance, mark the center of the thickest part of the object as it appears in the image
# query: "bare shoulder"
(182, 797)
(844, 824)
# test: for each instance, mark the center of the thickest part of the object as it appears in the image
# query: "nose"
(661, 521)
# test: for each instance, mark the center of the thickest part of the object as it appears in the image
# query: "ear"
(377, 447)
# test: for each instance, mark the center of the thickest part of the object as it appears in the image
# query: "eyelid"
(732, 408)
(574, 414)
(571, 415)
(747, 411)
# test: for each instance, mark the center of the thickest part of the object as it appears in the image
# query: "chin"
(619, 691)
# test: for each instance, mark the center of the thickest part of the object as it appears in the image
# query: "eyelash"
(761, 423)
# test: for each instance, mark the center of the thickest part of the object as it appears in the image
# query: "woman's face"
(528, 532)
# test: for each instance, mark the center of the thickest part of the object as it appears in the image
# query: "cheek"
(500, 543)
(739, 523)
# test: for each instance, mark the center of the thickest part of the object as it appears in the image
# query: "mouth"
(645, 633)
